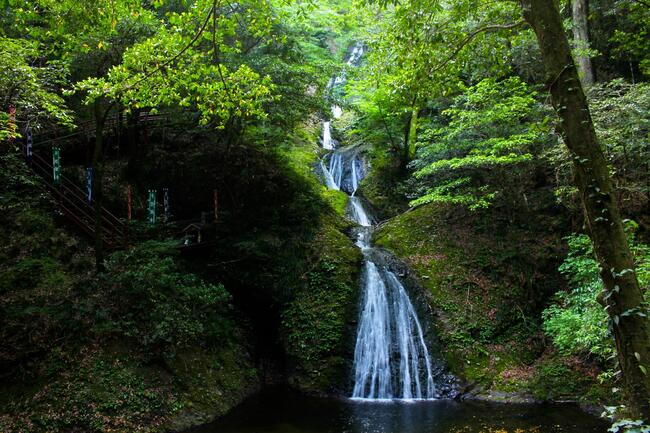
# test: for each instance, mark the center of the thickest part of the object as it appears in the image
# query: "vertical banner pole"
(29, 143)
(89, 185)
(56, 165)
(152, 206)
(166, 204)
(128, 202)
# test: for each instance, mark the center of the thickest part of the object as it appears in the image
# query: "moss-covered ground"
(488, 278)
(66, 365)
(320, 272)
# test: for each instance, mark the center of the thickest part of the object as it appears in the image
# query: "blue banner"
(89, 185)
(29, 143)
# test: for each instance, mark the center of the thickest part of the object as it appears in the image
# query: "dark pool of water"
(284, 411)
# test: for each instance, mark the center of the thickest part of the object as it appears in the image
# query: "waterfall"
(357, 52)
(391, 359)
(336, 168)
(388, 320)
(372, 373)
(327, 136)
(329, 180)
(354, 176)
(359, 214)
(414, 355)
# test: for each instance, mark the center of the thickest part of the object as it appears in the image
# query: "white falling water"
(389, 333)
(329, 180)
(372, 372)
(414, 355)
(336, 168)
(391, 359)
(357, 52)
(359, 214)
(327, 136)
(337, 111)
(354, 176)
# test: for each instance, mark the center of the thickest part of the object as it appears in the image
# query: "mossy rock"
(486, 280)
(209, 383)
(317, 323)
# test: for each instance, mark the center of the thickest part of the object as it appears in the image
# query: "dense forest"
(413, 216)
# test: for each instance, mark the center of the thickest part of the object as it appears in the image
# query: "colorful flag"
(151, 208)
(89, 185)
(56, 165)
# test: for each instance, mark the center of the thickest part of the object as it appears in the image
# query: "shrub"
(145, 296)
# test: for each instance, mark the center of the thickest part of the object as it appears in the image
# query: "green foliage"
(202, 68)
(33, 89)
(145, 296)
(631, 38)
(622, 120)
(554, 380)
(104, 394)
(494, 127)
(577, 323)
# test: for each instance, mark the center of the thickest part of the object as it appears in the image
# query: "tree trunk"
(581, 40)
(413, 131)
(406, 154)
(410, 135)
(97, 165)
(622, 295)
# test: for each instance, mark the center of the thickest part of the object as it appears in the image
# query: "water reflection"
(283, 411)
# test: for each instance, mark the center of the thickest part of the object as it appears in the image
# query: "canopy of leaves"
(494, 127)
(32, 88)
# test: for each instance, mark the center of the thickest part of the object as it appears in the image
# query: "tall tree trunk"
(406, 154)
(581, 40)
(410, 135)
(98, 170)
(622, 296)
(413, 131)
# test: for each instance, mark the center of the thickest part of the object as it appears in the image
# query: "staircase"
(73, 203)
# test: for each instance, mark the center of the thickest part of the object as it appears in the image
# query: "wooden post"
(11, 123)
(89, 185)
(128, 202)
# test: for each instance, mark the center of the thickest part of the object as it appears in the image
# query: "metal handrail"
(74, 205)
(66, 182)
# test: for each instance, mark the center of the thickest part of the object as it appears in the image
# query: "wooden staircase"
(73, 202)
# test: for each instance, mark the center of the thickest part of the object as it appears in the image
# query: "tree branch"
(471, 36)
(178, 55)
